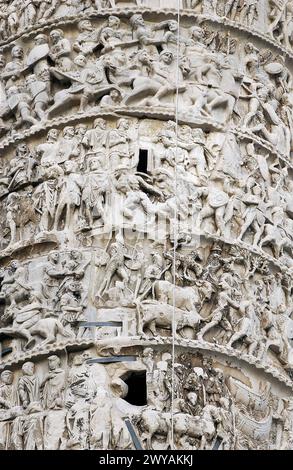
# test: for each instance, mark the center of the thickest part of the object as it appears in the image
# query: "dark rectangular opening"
(137, 388)
(142, 166)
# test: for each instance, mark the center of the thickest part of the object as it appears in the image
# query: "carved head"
(54, 257)
(56, 35)
(143, 57)
(101, 123)
(78, 360)
(68, 131)
(30, 79)
(40, 39)
(166, 56)
(196, 33)
(80, 60)
(94, 164)
(80, 129)
(53, 362)
(173, 25)
(14, 265)
(119, 388)
(123, 124)
(85, 25)
(22, 149)
(148, 352)
(192, 398)
(113, 21)
(28, 368)
(249, 48)
(198, 135)
(136, 21)
(115, 95)
(52, 135)
(17, 52)
(7, 377)
(75, 255)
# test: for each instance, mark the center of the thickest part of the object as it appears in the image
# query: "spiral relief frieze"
(146, 218)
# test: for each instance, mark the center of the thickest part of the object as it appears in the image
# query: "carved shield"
(37, 53)
(13, 101)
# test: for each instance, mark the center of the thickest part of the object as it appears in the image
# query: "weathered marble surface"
(115, 222)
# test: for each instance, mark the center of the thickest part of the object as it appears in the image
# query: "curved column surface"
(146, 224)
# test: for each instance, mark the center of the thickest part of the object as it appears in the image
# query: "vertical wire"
(175, 225)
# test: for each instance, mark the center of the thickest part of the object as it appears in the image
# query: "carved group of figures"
(81, 405)
(48, 310)
(211, 410)
(63, 406)
(224, 296)
(110, 66)
(89, 177)
(214, 298)
(271, 17)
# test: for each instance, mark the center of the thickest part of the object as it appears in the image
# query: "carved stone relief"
(146, 208)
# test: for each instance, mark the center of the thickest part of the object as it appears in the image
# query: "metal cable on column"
(175, 225)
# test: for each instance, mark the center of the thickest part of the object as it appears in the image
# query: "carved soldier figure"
(8, 409)
(48, 151)
(28, 387)
(19, 102)
(87, 40)
(45, 197)
(95, 140)
(12, 74)
(68, 145)
(119, 142)
(37, 58)
(110, 35)
(60, 50)
(70, 195)
(53, 274)
(53, 385)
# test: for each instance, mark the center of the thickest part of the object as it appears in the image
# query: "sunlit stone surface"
(146, 208)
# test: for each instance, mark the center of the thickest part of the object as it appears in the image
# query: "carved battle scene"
(146, 210)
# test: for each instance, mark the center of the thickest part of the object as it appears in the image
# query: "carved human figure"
(216, 202)
(78, 396)
(60, 50)
(53, 385)
(45, 197)
(38, 89)
(37, 59)
(28, 387)
(119, 142)
(93, 194)
(14, 287)
(87, 40)
(70, 195)
(48, 150)
(53, 274)
(111, 34)
(27, 431)
(71, 307)
(115, 266)
(12, 73)
(254, 214)
(8, 409)
(225, 301)
(95, 140)
(46, 9)
(19, 102)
